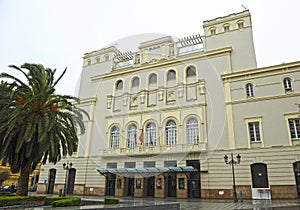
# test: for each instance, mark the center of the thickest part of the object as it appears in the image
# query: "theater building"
(163, 117)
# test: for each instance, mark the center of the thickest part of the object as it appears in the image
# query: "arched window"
(115, 138)
(152, 78)
(191, 71)
(132, 136)
(213, 31)
(171, 132)
(192, 128)
(150, 134)
(287, 83)
(249, 90)
(240, 24)
(135, 82)
(226, 27)
(119, 85)
(171, 75)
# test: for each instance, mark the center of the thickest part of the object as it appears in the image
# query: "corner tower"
(235, 31)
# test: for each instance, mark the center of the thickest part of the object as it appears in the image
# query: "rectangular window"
(294, 125)
(254, 131)
(111, 165)
(149, 164)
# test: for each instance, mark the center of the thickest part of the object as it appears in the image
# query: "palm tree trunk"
(22, 189)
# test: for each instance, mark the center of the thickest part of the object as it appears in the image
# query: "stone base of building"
(78, 190)
(277, 192)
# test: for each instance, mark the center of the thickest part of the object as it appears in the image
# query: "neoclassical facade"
(163, 118)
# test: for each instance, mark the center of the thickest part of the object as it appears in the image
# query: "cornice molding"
(87, 101)
(227, 18)
(264, 71)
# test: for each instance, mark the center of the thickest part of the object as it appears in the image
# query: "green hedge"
(19, 200)
(111, 201)
(49, 200)
(39, 200)
(72, 201)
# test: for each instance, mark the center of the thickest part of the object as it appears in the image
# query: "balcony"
(141, 150)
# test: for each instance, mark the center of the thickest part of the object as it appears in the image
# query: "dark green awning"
(152, 170)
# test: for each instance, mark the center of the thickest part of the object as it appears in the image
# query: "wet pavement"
(191, 204)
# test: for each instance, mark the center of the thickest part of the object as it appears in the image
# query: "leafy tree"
(36, 125)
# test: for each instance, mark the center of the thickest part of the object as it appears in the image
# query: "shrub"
(19, 200)
(49, 200)
(71, 201)
(39, 200)
(111, 201)
(10, 201)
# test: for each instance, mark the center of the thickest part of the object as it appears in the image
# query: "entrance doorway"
(51, 182)
(259, 174)
(194, 184)
(110, 184)
(71, 181)
(296, 166)
(150, 186)
(129, 181)
(171, 184)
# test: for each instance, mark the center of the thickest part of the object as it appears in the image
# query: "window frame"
(171, 132)
(152, 75)
(171, 77)
(151, 132)
(190, 71)
(296, 128)
(240, 23)
(115, 137)
(118, 84)
(135, 82)
(132, 135)
(249, 87)
(192, 131)
(226, 28)
(255, 135)
(212, 31)
(287, 84)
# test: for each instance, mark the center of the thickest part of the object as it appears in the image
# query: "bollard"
(241, 196)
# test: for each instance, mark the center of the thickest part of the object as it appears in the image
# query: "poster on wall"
(138, 183)
(158, 183)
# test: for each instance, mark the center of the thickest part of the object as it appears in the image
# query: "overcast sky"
(56, 33)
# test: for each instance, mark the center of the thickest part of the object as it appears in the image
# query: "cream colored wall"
(269, 105)
(279, 162)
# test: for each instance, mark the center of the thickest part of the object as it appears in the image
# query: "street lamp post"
(233, 162)
(66, 166)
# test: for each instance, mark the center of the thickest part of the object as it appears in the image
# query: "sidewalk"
(204, 204)
(213, 204)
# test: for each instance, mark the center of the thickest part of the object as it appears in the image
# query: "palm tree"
(36, 125)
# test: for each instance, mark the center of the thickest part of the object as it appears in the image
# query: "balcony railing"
(141, 150)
